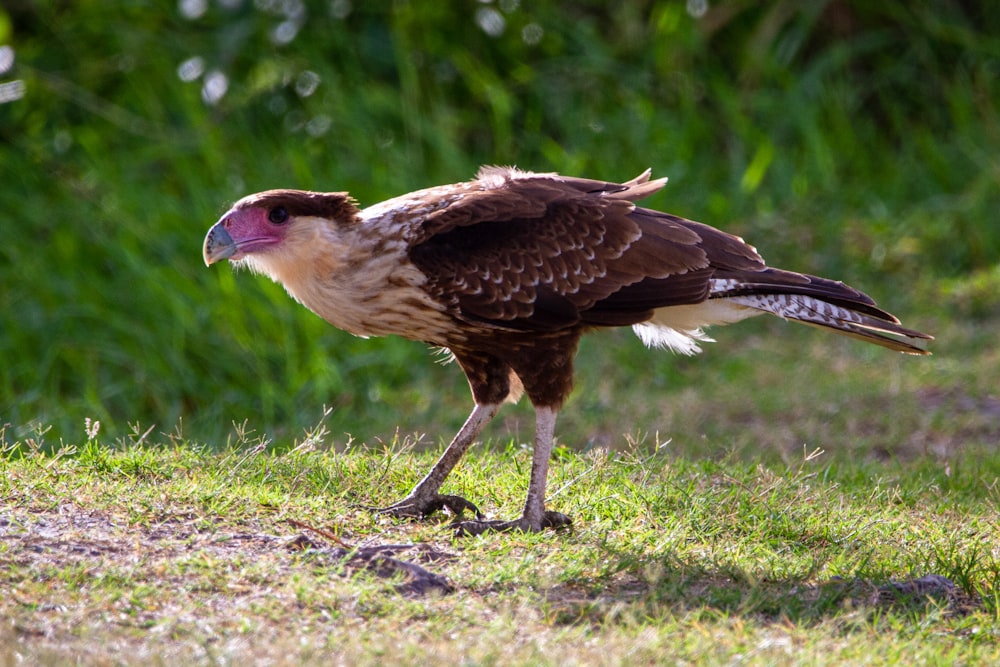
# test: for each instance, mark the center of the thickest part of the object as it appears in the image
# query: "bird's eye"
(278, 215)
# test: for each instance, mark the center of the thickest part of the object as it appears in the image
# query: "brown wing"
(545, 252)
(499, 194)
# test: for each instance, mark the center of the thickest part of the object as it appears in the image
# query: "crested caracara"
(507, 271)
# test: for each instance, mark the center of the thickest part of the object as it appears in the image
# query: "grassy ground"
(739, 540)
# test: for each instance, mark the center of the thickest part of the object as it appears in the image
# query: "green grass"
(746, 542)
(169, 552)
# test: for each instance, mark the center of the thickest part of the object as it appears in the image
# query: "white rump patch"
(681, 328)
(675, 340)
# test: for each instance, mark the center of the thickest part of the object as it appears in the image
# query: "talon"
(556, 520)
(417, 508)
(553, 520)
(473, 528)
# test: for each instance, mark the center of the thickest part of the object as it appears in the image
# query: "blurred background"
(853, 139)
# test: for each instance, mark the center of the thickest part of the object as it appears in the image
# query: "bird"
(506, 272)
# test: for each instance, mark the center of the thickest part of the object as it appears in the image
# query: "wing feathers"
(521, 251)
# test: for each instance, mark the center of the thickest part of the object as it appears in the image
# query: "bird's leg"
(535, 518)
(424, 499)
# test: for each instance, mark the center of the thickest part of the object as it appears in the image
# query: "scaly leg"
(424, 499)
(535, 518)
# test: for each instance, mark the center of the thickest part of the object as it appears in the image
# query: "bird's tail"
(819, 302)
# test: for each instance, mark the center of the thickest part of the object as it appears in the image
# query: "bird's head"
(269, 229)
(321, 248)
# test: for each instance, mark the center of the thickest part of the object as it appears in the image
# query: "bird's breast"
(381, 296)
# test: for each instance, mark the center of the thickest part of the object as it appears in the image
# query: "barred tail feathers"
(823, 303)
(818, 302)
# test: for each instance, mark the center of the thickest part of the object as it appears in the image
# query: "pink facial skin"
(241, 232)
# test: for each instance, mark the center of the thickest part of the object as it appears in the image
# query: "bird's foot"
(417, 507)
(554, 520)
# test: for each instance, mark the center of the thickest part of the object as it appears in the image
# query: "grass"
(177, 554)
(745, 543)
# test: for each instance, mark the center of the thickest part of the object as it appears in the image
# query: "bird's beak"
(219, 245)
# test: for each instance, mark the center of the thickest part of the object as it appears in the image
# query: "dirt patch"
(74, 577)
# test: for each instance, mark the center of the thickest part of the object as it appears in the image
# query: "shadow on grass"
(655, 591)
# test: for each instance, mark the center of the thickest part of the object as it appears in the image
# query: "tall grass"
(840, 138)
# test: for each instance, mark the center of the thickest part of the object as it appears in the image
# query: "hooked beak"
(219, 245)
